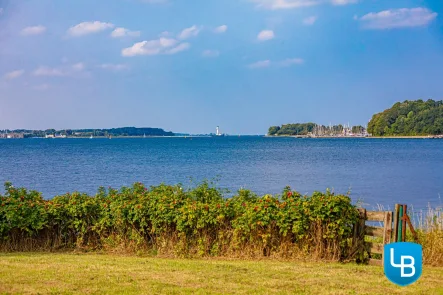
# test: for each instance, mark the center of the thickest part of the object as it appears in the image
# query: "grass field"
(38, 273)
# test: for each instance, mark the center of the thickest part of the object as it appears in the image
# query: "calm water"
(377, 171)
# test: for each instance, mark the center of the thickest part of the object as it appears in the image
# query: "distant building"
(12, 135)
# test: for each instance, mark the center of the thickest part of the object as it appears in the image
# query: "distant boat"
(91, 137)
(144, 135)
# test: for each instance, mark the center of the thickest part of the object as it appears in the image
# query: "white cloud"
(114, 67)
(265, 35)
(343, 2)
(260, 64)
(398, 18)
(189, 32)
(221, 29)
(14, 74)
(122, 32)
(86, 28)
(1, 10)
(284, 63)
(309, 21)
(35, 30)
(210, 53)
(291, 61)
(78, 66)
(155, 47)
(179, 48)
(47, 71)
(285, 4)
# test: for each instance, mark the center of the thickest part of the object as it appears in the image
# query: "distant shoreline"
(119, 137)
(367, 137)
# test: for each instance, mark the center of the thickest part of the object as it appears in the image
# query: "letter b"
(410, 265)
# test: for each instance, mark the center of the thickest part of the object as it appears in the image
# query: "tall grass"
(429, 227)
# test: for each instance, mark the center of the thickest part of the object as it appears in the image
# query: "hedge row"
(172, 220)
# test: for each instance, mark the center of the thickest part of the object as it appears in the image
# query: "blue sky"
(188, 66)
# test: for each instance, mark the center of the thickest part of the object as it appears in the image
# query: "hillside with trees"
(409, 118)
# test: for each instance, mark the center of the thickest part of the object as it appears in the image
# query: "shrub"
(171, 220)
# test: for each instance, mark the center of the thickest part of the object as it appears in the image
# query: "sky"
(188, 66)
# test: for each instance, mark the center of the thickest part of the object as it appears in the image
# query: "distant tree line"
(292, 129)
(312, 128)
(124, 131)
(409, 118)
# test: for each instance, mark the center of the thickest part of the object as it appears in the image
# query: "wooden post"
(387, 232)
(404, 223)
(359, 234)
(414, 233)
(395, 235)
(400, 224)
(387, 228)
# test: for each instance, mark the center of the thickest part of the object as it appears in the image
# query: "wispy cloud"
(65, 70)
(309, 21)
(260, 64)
(265, 35)
(343, 2)
(34, 30)
(210, 53)
(179, 48)
(189, 32)
(285, 4)
(398, 18)
(114, 67)
(155, 47)
(291, 4)
(123, 32)
(78, 66)
(221, 29)
(290, 62)
(86, 28)
(47, 71)
(1, 10)
(268, 63)
(14, 74)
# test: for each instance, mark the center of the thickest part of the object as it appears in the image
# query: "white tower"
(217, 131)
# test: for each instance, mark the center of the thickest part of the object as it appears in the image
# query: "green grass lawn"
(38, 273)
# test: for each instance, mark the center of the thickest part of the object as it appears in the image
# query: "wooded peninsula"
(408, 118)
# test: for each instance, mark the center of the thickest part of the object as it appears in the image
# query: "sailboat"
(91, 137)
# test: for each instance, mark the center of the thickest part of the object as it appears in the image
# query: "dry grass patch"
(110, 274)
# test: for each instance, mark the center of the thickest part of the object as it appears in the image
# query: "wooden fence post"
(396, 215)
(400, 224)
(405, 207)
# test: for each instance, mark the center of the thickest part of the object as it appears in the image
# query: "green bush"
(171, 220)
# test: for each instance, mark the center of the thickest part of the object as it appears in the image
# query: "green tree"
(273, 130)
